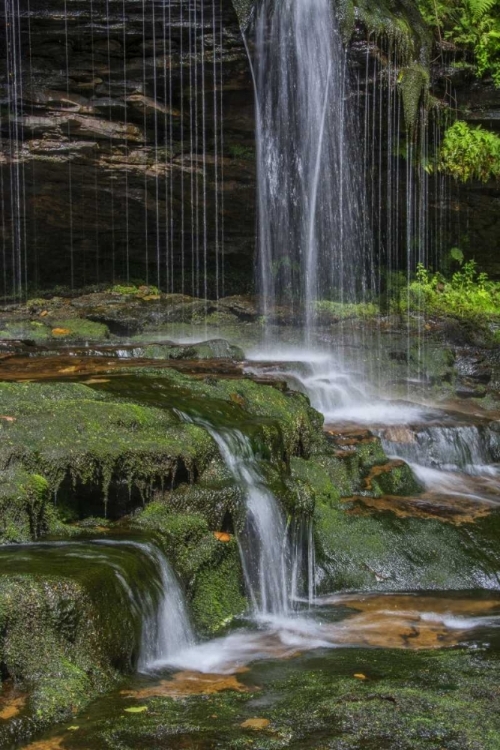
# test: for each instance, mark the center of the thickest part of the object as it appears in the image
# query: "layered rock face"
(127, 150)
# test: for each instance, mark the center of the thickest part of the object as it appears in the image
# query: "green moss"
(30, 330)
(384, 552)
(409, 701)
(210, 569)
(398, 21)
(68, 432)
(24, 506)
(63, 634)
(311, 479)
(413, 82)
(285, 423)
(396, 478)
(78, 329)
(217, 594)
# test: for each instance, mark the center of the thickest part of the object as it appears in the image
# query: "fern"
(479, 8)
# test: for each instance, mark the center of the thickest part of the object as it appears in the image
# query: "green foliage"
(470, 153)
(331, 312)
(467, 294)
(472, 24)
(134, 289)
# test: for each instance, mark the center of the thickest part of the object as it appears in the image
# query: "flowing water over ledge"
(292, 639)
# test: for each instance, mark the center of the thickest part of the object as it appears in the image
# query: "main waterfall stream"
(312, 235)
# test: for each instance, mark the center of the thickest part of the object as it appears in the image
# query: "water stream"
(143, 580)
(309, 195)
(264, 542)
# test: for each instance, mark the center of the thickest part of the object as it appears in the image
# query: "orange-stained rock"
(190, 683)
(11, 707)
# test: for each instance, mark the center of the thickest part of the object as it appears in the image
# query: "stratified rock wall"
(110, 117)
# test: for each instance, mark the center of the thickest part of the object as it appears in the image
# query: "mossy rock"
(81, 440)
(210, 569)
(385, 552)
(217, 594)
(25, 506)
(204, 350)
(78, 329)
(393, 478)
(24, 329)
(276, 410)
(67, 626)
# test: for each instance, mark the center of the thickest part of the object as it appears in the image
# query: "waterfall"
(264, 544)
(143, 582)
(166, 630)
(309, 197)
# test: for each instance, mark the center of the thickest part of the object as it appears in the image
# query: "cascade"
(312, 237)
(167, 630)
(264, 543)
(469, 448)
(145, 583)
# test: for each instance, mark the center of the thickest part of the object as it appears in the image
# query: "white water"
(167, 629)
(339, 393)
(309, 197)
(264, 544)
(281, 637)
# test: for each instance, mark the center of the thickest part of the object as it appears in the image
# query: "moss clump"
(25, 507)
(413, 82)
(393, 478)
(217, 592)
(78, 329)
(311, 480)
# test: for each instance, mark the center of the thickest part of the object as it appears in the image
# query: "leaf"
(457, 254)
(136, 709)
(255, 724)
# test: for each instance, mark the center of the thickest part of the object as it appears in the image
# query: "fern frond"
(479, 8)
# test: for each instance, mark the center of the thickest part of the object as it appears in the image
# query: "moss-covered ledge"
(68, 629)
(97, 456)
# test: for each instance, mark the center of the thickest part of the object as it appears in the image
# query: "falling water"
(167, 630)
(264, 543)
(142, 579)
(309, 204)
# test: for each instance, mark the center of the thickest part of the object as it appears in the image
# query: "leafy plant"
(471, 24)
(470, 153)
(469, 293)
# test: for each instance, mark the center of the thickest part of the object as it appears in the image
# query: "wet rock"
(244, 308)
(474, 368)
(470, 390)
